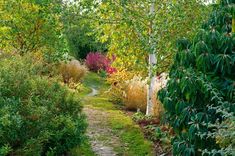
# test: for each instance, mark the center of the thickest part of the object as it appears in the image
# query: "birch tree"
(142, 33)
(152, 62)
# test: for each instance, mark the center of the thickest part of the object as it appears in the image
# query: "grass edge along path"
(131, 139)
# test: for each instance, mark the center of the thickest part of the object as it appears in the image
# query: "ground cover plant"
(159, 132)
(199, 96)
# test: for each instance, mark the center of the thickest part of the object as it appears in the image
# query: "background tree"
(31, 26)
(80, 33)
(132, 33)
(125, 24)
(143, 32)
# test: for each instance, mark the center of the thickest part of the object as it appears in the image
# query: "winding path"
(101, 138)
(94, 92)
(111, 132)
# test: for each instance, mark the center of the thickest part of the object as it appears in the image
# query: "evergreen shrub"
(200, 95)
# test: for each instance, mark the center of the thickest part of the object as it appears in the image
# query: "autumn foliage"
(98, 61)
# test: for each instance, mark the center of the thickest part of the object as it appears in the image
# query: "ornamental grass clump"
(200, 95)
(118, 84)
(131, 91)
(135, 94)
(73, 71)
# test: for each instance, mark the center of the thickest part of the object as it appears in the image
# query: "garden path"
(101, 138)
(111, 132)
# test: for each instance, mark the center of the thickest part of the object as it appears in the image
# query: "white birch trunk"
(152, 63)
(150, 92)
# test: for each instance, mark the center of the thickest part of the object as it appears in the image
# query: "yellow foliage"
(117, 82)
(73, 71)
(120, 77)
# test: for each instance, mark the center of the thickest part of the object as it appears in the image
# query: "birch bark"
(152, 63)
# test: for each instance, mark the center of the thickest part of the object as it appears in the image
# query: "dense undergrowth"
(199, 98)
(38, 115)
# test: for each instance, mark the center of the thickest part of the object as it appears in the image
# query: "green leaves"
(205, 62)
(201, 89)
(183, 147)
(31, 26)
(37, 116)
(223, 63)
(5, 149)
(129, 22)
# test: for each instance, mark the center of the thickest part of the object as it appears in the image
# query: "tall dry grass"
(135, 94)
(160, 83)
(73, 71)
(131, 91)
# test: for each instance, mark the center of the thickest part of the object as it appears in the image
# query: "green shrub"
(201, 88)
(37, 116)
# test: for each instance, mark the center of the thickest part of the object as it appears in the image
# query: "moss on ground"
(95, 81)
(83, 91)
(84, 150)
(130, 134)
(122, 126)
(99, 103)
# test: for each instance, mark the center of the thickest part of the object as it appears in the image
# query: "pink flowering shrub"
(97, 61)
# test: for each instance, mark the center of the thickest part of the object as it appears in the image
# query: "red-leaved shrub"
(97, 61)
(111, 70)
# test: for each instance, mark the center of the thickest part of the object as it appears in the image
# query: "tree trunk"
(152, 63)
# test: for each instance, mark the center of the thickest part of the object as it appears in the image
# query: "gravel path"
(101, 136)
(94, 92)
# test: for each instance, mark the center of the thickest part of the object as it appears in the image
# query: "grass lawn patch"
(130, 134)
(84, 150)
